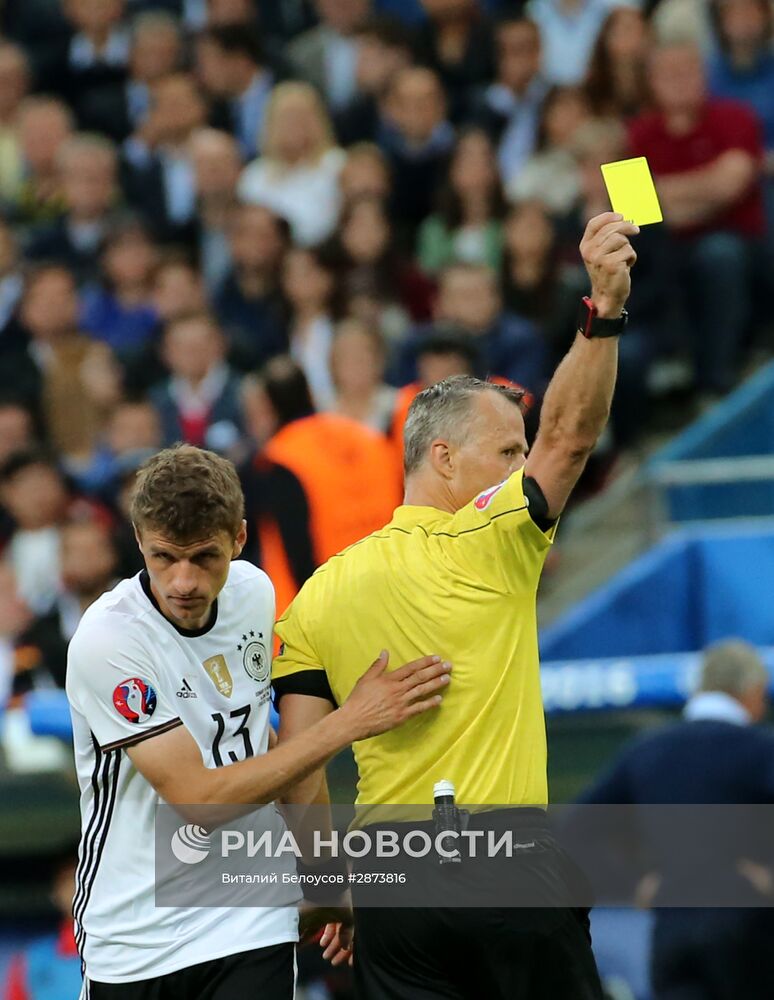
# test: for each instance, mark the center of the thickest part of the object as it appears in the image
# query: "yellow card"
(632, 192)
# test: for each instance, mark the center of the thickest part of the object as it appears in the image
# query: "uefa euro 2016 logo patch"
(483, 500)
(135, 699)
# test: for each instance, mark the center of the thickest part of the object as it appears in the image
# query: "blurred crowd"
(263, 227)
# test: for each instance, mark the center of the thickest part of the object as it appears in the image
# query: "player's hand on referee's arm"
(380, 701)
(609, 258)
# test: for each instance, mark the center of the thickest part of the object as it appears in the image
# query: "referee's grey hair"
(732, 666)
(441, 411)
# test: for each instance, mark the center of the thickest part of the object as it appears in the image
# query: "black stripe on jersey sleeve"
(310, 682)
(146, 734)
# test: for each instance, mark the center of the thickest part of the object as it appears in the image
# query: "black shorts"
(263, 974)
(467, 954)
(460, 941)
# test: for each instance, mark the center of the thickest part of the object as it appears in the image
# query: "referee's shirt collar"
(409, 515)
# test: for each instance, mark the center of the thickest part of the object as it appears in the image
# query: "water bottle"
(446, 817)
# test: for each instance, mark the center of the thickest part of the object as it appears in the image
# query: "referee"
(457, 569)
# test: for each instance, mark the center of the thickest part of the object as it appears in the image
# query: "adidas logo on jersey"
(186, 691)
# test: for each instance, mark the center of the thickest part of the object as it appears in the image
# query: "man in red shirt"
(706, 156)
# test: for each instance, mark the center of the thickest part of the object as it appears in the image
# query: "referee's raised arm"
(577, 401)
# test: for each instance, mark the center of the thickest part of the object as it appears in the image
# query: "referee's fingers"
(599, 222)
(626, 255)
(622, 228)
(613, 241)
(409, 669)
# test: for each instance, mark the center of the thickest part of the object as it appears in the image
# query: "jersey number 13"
(243, 714)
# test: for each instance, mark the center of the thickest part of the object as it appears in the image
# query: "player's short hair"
(187, 493)
(441, 411)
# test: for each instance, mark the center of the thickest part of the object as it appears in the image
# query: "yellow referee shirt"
(460, 585)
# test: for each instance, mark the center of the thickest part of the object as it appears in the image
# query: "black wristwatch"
(591, 325)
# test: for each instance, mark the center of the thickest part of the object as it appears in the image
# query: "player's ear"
(239, 541)
(441, 458)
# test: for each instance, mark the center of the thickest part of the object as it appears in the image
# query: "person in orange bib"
(319, 483)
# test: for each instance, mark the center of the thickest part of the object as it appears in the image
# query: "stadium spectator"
(358, 362)
(716, 754)
(383, 47)
(14, 84)
(683, 20)
(159, 180)
(370, 303)
(469, 302)
(417, 140)
(535, 285)
(119, 311)
(438, 356)
(742, 68)
(368, 256)
(706, 156)
(50, 966)
(248, 302)
(467, 224)
(156, 52)
(88, 168)
(365, 173)
(17, 427)
(231, 66)
(133, 428)
(296, 175)
(326, 56)
(15, 616)
(93, 56)
(550, 175)
(309, 286)
(11, 284)
(216, 168)
(509, 107)
(34, 493)
(72, 380)
(199, 402)
(88, 567)
(303, 512)
(177, 291)
(569, 30)
(44, 125)
(243, 13)
(456, 42)
(616, 82)
(178, 288)
(281, 22)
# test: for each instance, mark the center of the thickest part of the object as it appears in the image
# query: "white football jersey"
(131, 675)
